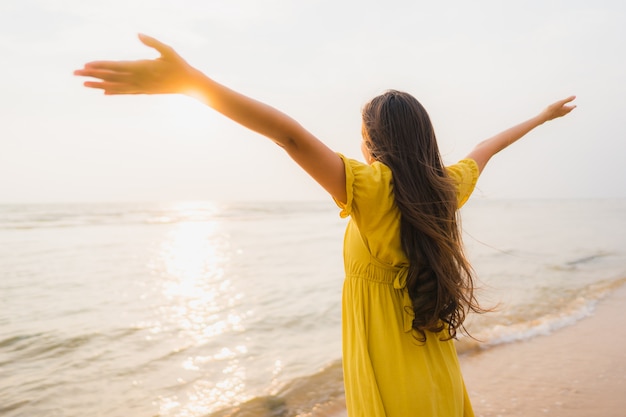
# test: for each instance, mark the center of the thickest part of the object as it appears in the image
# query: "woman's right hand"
(167, 74)
(558, 109)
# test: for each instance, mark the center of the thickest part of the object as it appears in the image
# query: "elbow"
(288, 143)
(288, 134)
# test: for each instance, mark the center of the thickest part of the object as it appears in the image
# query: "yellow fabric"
(387, 372)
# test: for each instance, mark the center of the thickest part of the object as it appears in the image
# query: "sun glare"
(191, 255)
(200, 305)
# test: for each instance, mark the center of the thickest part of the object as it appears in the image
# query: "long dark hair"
(398, 133)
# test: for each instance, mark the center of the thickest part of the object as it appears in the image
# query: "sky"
(478, 67)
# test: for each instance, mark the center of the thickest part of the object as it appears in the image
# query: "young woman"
(408, 285)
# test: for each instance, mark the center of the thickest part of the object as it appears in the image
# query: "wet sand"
(578, 371)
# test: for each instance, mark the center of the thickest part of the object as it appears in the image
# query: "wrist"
(539, 119)
(193, 81)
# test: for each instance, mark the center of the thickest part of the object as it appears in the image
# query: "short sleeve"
(346, 208)
(368, 189)
(465, 175)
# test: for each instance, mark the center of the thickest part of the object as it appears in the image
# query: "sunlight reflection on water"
(202, 306)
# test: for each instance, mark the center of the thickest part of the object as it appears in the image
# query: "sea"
(193, 309)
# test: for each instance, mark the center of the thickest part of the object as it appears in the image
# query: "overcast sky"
(478, 67)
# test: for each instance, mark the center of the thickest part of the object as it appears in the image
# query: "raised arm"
(171, 74)
(483, 152)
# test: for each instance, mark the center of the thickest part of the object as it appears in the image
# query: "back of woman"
(389, 370)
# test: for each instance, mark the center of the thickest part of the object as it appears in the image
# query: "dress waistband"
(379, 271)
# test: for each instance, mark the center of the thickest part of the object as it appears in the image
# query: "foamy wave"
(500, 334)
(567, 315)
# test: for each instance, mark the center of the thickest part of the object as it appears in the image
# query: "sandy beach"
(578, 371)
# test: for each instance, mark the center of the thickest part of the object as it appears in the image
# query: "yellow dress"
(387, 372)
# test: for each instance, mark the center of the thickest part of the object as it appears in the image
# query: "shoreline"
(576, 371)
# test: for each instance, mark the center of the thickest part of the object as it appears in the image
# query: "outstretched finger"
(163, 49)
(120, 66)
(567, 109)
(105, 75)
(112, 88)
(566, 100)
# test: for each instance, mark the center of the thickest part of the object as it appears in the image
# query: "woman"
(408, 284)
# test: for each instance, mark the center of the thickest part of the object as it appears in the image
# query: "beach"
(576, 371)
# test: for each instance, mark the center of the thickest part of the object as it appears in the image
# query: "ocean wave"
(54, 344)
(43, 346)
(573, 264)
(525, 328)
